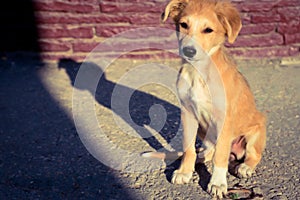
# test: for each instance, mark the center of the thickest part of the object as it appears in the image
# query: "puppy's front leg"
(190, 127)
(218, 183)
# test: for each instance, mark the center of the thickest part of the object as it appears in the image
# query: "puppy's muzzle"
(189, 51)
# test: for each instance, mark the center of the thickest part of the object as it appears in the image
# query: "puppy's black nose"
(189, 51)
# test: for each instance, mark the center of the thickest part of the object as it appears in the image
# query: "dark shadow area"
(171, 168)
(204, 175)
(233, 165)
(139, 104)
(200, 169)
(18, 31)
(41, 155)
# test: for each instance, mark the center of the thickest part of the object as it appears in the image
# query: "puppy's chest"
(194, 94)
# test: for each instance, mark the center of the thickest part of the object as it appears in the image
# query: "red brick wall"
(72, 28)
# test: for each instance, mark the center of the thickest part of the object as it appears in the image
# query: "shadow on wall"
(18, 31)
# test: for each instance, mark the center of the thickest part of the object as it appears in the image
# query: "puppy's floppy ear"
(173, 9)
(230, 19)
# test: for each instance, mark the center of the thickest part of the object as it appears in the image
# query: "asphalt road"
(43, 157)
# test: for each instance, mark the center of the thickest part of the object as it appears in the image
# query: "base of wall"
(152, 57)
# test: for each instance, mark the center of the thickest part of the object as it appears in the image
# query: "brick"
(145, 55)
(292, 38)
(65, 7)
(81, 32)
(292, 27)
(246, 18)
(170, 26)
(112, 18)
(145, 18)
(135, 1)
(150, 55)
(84, 46)
(134, 32)
(141, 7)
(51, 46)
(236, 52)
(258, 40)
(260, 6)
(294, 51)
(267, 17)
(289, 13)
(116, 45)
(268, 52)
(257, 29)
(85, 1)
(159, 32)
(70, 18)
(141, 54)
(109, 31)
(284, 3)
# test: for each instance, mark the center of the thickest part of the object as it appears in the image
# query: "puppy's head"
(203, 25)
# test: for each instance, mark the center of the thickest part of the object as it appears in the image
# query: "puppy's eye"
(183, 25)
(207, 30)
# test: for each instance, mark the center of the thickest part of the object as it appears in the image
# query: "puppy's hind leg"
(256, 141)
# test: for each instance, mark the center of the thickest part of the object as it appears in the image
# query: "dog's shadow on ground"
(204, 175)
(200, 169)
(140, 103)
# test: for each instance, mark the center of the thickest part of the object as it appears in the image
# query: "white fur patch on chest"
(194, 94)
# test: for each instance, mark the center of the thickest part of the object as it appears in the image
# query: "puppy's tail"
(169, 155)
(202, 155)
(163, 156)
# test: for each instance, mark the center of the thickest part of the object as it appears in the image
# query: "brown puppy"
(203, 26)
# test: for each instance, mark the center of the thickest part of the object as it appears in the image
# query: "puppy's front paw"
(217, 186)
(181, 178)
(244, 171)
(217, 190)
